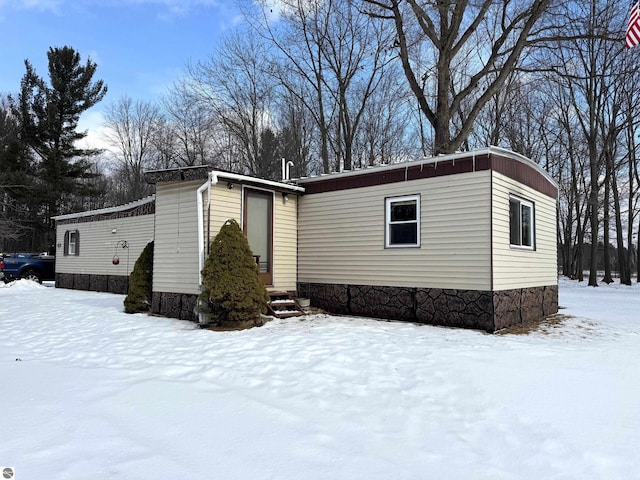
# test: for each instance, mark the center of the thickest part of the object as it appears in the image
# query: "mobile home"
(192, 204)
(463, 240)
(96, 250)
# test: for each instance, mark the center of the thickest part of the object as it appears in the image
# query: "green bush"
(233, 294)
(140, 283)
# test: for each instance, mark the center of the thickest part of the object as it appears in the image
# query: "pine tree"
(16, 185)
(48, 115)
(140, 283)
(233, 293)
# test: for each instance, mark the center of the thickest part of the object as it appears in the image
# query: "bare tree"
(624, 166)
(473, 48)
(130, 130)
(573, 206)
(98, 182)
(165, 146)
(333, 57)
(300, 39)
(238, 92)
(632, 126)
(585, 65)
(192, 127)
(520, 117)
(355, 51)
(296, 135)
(385, 132)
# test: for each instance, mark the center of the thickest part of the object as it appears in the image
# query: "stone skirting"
(175, 305)
(524, 305)
(96, 283)
(484, 310)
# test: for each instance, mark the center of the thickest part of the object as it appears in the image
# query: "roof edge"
(205, 173)
(431, 160)
(101, 211)
(255, 180)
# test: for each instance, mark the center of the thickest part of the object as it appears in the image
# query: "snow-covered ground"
(90, 392)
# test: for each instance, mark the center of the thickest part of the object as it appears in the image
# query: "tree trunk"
(630, 205)
(605, 224)
(638, 255)
(593, 217)
(322, 124)
(625, 273)
(578, 267)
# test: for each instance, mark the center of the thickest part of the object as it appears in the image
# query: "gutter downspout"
(212, 180)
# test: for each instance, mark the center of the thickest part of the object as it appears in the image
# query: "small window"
(71, 242)
(402, 221)
(73, 236)
(521, 223)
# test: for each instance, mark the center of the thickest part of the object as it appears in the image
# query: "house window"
(521, 223)
(402, 221)
(71, 242)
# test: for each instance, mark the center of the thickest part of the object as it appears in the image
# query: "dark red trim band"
(511, 168)
(523, 173)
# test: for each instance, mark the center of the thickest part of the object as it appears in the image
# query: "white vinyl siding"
(225, 204)
(175, 259)
(514, 266)
(341, 235)
(98, 245)
(285, 243)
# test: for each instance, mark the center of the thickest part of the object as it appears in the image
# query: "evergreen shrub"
(140, 283)
(233, 294)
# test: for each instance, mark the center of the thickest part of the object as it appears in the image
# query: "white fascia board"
(268, 183)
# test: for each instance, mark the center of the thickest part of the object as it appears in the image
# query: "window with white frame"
(71, 242)
(402, 221)
(521, 223)
(73, 236)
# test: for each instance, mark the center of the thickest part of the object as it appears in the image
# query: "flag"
(633, 29)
